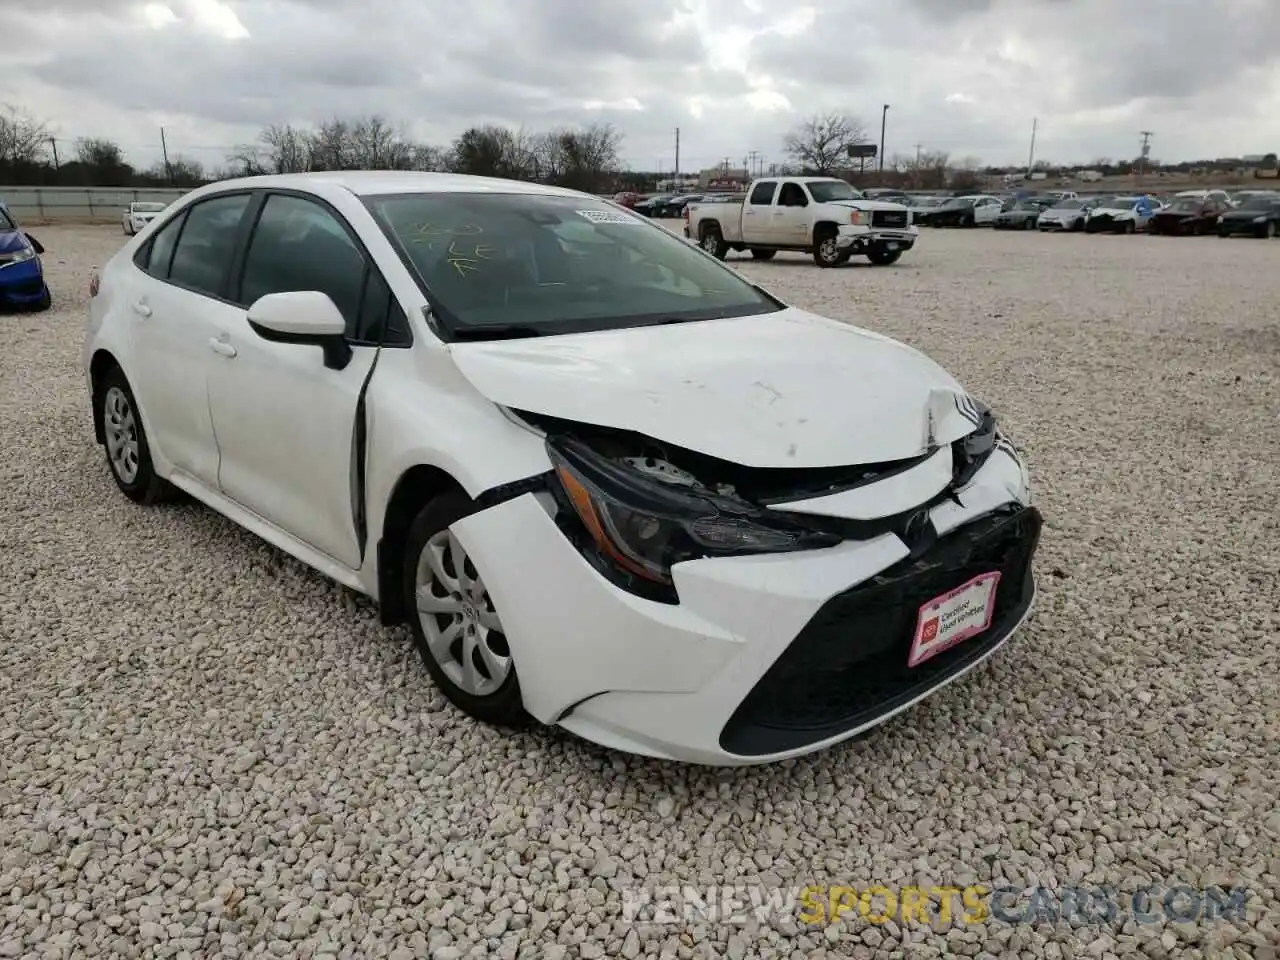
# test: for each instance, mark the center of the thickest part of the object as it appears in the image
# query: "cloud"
(966, 76)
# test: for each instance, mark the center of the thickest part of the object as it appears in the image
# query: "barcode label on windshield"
(606, 216)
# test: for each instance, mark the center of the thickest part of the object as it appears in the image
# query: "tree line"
(581, 158)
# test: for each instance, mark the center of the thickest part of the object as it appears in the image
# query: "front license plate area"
(891, 246)
(954, 617)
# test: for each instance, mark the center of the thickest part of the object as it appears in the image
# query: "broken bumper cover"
(765, 657)
(861, 239)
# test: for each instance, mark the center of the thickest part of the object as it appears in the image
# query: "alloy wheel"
(462, 629)
(121, 427)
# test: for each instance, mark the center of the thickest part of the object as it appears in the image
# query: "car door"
(791, 216)
(176, 306)
(757, 213)
(285, 421)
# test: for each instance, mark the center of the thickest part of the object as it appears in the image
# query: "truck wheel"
(882, 258)
(713, 241)
(760, 254)
(970, 220)
(825, 251)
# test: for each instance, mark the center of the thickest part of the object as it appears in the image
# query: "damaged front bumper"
(764, 657)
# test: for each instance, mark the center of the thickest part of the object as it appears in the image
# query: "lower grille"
(889, 218)
(848, 665)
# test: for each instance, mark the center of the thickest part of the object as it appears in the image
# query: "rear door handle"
(221, 347)
(141, 309)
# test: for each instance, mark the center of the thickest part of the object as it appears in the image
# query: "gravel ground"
(207, 750)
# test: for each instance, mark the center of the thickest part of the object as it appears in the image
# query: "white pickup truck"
(821, 215)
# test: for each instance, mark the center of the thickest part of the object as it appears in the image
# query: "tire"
(825, 251)
(884, 258)
(126, 447)
(1130, 227)
(969, 220)
(490, 691)
(759, 254)
(1269, 231)
(1222, 234)
(713, 242)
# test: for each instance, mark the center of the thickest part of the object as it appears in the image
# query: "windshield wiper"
(500, 331)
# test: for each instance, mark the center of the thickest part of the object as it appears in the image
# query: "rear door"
(757, 213)
(177, 306)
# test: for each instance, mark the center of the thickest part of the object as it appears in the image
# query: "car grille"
(889, 218)
(848, 665)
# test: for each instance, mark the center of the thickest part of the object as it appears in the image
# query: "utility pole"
(1146, 151)
(54, 144)
(752, 169)
(677, 153)
(164, 150)
(915, 177)
(1031, 157)
(883, 116)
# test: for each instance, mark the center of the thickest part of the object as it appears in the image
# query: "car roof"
(365, 183)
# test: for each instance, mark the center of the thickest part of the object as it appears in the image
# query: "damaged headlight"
(643, 526)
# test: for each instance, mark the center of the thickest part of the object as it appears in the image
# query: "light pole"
(883, 115)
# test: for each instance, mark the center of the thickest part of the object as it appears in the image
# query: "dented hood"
(786, 389)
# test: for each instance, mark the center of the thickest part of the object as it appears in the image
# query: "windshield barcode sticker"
(606, 216)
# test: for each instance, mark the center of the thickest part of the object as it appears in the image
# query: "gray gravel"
(207, 750)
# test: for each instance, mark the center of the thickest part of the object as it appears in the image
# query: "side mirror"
(36, 245)
(303, 317)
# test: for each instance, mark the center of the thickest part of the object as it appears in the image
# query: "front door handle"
(221, 347)
(141, 309)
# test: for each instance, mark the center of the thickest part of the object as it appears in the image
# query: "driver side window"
(792, 195)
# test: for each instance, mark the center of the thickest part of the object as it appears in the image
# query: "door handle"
(141, 309)
(221, 347)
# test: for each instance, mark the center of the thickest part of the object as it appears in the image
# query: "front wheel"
(760, 254)
(455, 625)
(713, 241)
(128, 453)
(826, 252)
(883, 258)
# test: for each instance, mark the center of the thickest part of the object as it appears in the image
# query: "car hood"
(1111, 211)
(787, 389)
(12, 240)
(864, 204)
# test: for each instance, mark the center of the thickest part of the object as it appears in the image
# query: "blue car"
(22, 281)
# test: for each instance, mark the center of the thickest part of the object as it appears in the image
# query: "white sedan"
(139, 214)
(609, 483)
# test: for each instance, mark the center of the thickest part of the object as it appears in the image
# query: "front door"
(791, 217)
(285, 422)
(757, 213)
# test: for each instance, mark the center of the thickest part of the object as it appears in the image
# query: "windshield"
(555, 264)
(146, 207)
(1187, 205)
(1258, 204)
(957, 203)
(827, 190)
(6, 222)
(1067, 204)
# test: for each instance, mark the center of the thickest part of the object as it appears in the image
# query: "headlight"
(643, 526)
(17, 256)
(859, 218)
(1261, 219)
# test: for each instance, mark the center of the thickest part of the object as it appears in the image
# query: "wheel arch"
(102, 362)
(414, 489)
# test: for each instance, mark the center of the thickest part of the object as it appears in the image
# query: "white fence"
(52, 204)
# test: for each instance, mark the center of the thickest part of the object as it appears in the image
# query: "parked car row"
(1191, 212)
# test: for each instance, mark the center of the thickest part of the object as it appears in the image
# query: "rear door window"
(207, 244)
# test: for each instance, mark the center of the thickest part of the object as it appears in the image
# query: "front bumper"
(22, 284)
(765, 657)
(858, 240)
(1235, 228)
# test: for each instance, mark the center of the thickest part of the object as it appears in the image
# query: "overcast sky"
(966, 76)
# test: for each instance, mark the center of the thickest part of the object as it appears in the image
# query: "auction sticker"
(606, 216)
(954, 617)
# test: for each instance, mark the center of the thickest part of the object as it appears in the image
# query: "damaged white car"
(609, 483)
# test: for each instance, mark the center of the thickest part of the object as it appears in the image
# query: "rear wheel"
(128, 454)
(826, 253)
(455, 625)
(760, 254)
(713, 242)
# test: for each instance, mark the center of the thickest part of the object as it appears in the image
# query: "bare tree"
(821, 143)
(492, 151)
(99, 152)
(23, 138)
(285, 149)
(581, 159)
